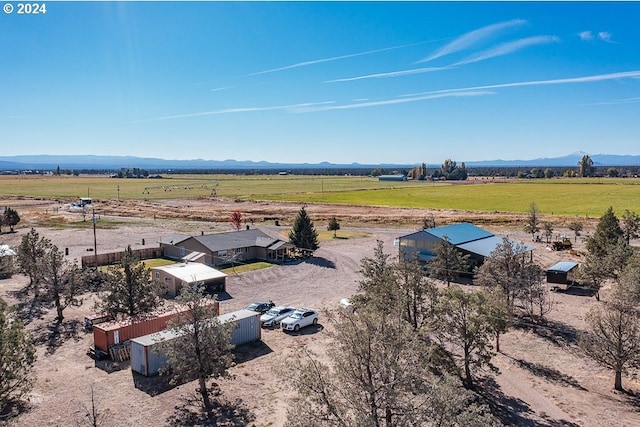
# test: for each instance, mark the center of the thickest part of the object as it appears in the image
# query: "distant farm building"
(396, 177)
(171, 278)
(228, 248)
(562, 274)
(469, 239)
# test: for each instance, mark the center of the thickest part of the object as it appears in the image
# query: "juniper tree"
(630, 225)
(11, 218)
(614, 337)
(448, 263)
(17, 357)
(202, 349)
(377, 375)
(29, 253)
(465, 324)
(509, 268)
(129, 289)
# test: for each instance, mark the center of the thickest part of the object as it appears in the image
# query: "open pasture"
(557, 197)
(569, 197)
(179, 186)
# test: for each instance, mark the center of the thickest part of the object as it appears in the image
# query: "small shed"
(172, 278)
(147, 361)
(562, 274)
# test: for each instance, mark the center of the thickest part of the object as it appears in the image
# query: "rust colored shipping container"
(105, 335)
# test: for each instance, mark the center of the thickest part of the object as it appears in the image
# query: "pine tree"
(304, 235)
(333, 225)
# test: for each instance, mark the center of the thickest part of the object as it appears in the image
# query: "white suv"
(299, 319)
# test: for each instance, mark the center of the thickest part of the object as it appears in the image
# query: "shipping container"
(147, 361)
(108, 334)
(247, 327)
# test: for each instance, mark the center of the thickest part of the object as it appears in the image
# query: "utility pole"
(95, 241)
(118, 192)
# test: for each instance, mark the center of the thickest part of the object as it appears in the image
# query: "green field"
(583, 197)
(559, 197)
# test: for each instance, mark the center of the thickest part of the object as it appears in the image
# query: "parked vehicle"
(563, 243)
(300, 318)
(261, 306)
(275, 315)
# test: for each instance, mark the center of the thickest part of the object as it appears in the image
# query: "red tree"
(236, 220)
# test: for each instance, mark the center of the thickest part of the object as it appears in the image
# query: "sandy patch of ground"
(543, 379)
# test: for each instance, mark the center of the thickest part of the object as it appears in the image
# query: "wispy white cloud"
(335, 58)
(605, 36)
(585, 35)
(472, 38)
(635, 100)
(507, 48)
(292, 107)
(390, 74)
(393, 101)
(218, 89)
(572, 80)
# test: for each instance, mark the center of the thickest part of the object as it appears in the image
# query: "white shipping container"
(147, 361)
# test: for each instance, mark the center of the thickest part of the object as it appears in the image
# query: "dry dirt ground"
(543, 378)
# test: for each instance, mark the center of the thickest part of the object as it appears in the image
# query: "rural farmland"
(558, 196)
(555, 385)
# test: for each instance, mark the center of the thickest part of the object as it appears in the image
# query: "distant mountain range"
(51, 162)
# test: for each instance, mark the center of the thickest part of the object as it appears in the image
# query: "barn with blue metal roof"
(469, 239)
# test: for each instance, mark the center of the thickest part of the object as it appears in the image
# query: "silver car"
(273, 317)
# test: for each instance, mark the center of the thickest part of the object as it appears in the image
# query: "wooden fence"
(115, 257)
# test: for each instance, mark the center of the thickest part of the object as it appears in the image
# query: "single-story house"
(173, 277)
(562, 274)
(228, 247)
(469, 239)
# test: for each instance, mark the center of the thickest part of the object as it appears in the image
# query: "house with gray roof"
(469, 239)
(228, 247)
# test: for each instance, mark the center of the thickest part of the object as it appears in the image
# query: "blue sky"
(313, 81)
